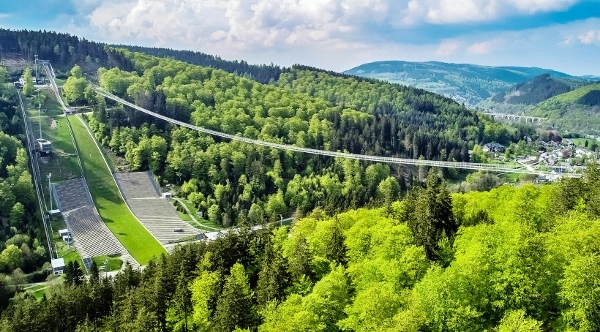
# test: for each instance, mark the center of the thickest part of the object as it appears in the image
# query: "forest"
(536, 90)
(21, 242)
(233, 182)
(511, 259)
(372, 247)
(65, 50)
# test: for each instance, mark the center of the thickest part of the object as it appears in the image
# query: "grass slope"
(570, 97)
(114, 263)
(132, 234)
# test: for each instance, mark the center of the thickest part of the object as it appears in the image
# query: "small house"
(58, 266)
(494, 147)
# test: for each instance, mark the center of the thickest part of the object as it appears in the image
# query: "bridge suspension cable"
(500, 168)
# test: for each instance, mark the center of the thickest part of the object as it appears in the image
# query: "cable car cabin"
(44, 146)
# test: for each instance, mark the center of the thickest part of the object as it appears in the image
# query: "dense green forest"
(511, 259)
(234, 182)
(21, 242)
(536, 90)
(574, 111)
(65, 50)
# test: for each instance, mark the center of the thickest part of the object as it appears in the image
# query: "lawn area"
(580, 142)
(114, 263)
(209, 225)
(105, 194)
(69, 254)
(511, 177)
(37, 291)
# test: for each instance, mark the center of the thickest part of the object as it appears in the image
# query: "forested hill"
(260, 73)
(538, 89)
(462, 82)
(64, 50)
(60, 48)
(575, 111)
(233, 181)
(512, 259)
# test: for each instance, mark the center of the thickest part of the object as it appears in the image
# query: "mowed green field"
(114, 263)
(132, 234)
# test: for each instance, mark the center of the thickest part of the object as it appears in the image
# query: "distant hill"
(538, 89)
(466, 83)
(577, 110)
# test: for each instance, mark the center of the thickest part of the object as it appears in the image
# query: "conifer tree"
(336, 249)
(235, 305)
(429, 215)
(182, 299)
(94, 273)
(273, 277)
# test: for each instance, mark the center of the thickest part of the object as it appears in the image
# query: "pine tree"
(300, 260)
(234, 307)
(273, 277)
(78, 276)
(94, 273)
(182, 299)
(429, 215)
(336, 249)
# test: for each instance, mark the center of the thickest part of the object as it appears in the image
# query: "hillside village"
(559, 155)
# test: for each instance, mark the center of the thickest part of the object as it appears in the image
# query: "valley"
(226, 196)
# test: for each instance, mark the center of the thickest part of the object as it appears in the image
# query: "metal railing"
(500, 168)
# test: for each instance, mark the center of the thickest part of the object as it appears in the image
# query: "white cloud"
(448, 47)
(460, 11)
(591, 37)
(481, 48)
(248, 23)
(334, 34)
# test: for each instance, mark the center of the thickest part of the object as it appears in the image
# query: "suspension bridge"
(498, 168)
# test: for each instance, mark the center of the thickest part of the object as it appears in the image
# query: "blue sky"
(337, 34)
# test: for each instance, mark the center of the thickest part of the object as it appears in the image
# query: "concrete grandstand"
(143, 196)
(91, 237)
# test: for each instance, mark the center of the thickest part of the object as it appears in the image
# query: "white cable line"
(389, 160)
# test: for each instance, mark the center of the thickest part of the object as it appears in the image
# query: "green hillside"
(234, 182)
(463, 82)
(537, 90)
(578, 110)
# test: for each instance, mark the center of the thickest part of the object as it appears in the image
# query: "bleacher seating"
(91, 237)
(137, 185)
(155, 213)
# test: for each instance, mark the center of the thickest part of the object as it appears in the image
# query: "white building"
(58, 266)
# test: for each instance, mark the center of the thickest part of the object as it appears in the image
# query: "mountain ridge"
(465, 83)
(538, 89)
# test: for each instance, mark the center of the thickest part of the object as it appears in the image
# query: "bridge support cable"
(389, 160)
